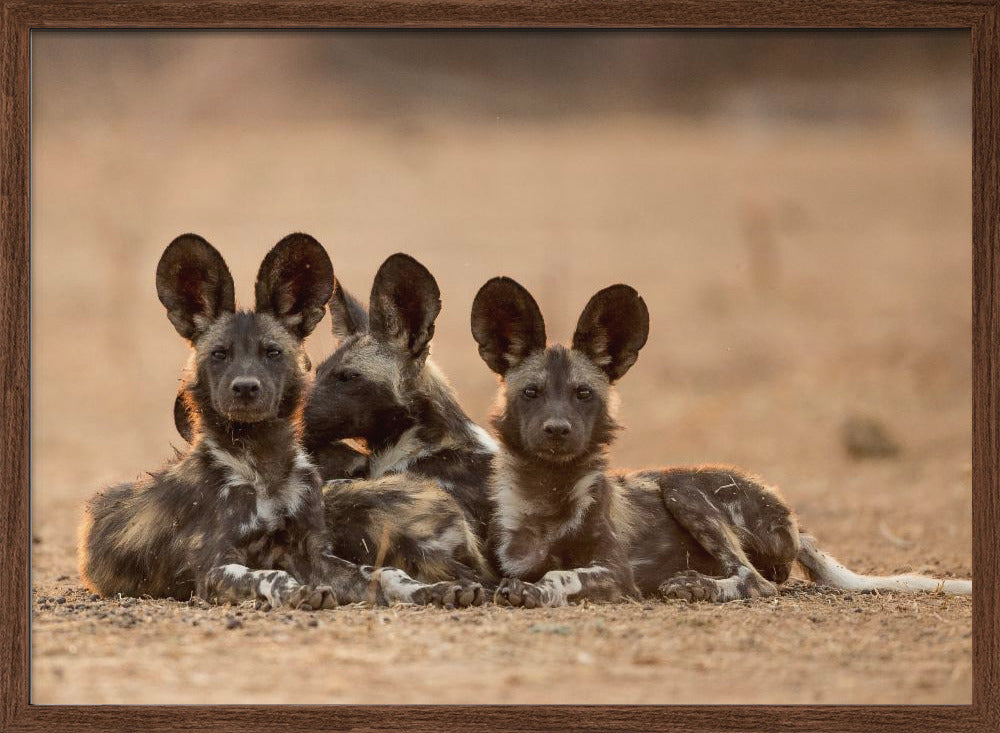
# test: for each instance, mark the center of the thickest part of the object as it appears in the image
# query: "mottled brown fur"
(406, 522)
(380, 389)
(396, 430)
(565, 528)
(240, 516)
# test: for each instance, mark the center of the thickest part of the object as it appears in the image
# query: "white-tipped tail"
(825, 570)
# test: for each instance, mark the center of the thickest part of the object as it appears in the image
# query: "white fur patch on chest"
(516, 514)
(273, 503)
(514, 508)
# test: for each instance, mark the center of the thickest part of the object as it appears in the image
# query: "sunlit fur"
(245, 494)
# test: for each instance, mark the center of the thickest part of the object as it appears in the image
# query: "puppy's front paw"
(472, 594)
(450, 594)
(756, 586)
(517, 593)
(690, 586)
(312, 598)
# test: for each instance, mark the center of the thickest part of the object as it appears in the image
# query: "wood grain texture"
(14, 371)
(502, 13)
(985, 366)
(19, 17)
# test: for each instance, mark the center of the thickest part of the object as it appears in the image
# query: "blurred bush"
(831, 76)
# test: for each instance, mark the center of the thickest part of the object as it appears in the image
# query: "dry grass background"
(796, 212)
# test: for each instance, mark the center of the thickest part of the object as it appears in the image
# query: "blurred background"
(794, 207)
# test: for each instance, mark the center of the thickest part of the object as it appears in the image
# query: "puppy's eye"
(584, 393)
(530, 392)
(273, 353)
(348, 376)
(219, 354)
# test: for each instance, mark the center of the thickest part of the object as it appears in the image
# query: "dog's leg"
(711, 528)
(235, 583)
(398, 587)
(559, 587)
(359, 583)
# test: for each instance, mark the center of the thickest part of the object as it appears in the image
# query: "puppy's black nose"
(556, 428)
(245, 388)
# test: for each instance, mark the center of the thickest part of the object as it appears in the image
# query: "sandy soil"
(804, 647)
(796, 277)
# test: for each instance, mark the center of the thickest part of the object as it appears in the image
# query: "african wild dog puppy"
(239, 516)
(377, 389)
(380, 388)
(566, 528)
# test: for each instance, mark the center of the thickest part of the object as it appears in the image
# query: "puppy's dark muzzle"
(246, 390)
(245, 401)
(557, 441)
(557, 429)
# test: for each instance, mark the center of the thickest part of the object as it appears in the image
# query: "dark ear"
(182, 419)
(612, 329)
(194, 284)
(294, 283)
(404, 303)
(506, 323)
(348, 315)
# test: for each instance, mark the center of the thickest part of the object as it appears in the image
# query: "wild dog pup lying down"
(565, 528)
(381, 389)
(378, 390)
(407, 522)
(240, 516)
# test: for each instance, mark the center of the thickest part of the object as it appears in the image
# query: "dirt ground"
(797, 276)
(804, 647)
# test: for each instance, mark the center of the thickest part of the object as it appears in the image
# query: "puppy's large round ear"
(294, 283)
(347, 314)
(405, 302)
(194, 285)
(612, 329)
(506, 323)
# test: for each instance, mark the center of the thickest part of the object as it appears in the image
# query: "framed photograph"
(499, 365)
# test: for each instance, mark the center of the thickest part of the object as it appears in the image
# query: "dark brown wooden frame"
(17, 20)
